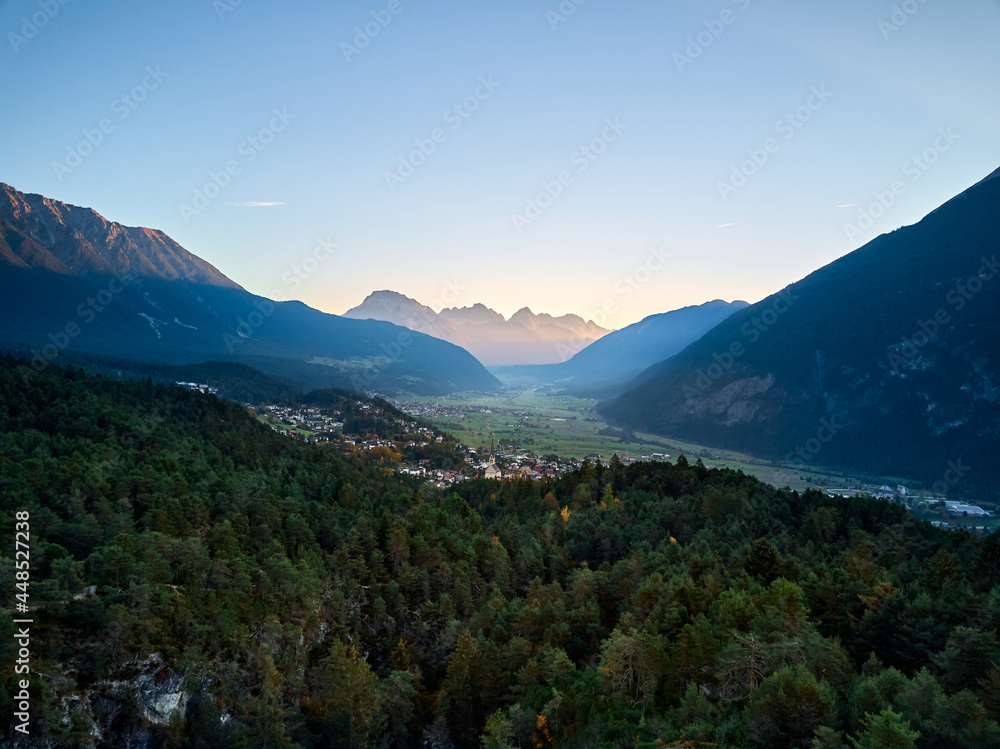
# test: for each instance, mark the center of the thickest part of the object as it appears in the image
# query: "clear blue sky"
(222, 69)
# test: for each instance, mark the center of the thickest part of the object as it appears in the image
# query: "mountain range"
(526, 338)
(621, 355)
(886, 360)
(38, 232)
(71, 279)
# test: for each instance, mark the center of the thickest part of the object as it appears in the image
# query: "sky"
(607, 159)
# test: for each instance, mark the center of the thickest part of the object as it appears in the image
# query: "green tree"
(886, 730)
(632, 665)
(345, 702)
(788, 708)
(499, 733)
(967, 658)
(762, 561)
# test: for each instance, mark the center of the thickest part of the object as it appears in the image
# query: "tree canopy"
(301, 598)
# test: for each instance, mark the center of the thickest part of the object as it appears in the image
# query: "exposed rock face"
(736, 402)
(145, 695)
(159, 696)
(38, 232)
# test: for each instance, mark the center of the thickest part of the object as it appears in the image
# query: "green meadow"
(570, 427)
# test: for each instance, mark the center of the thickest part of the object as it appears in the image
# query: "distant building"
(971, 510)
(492, 469)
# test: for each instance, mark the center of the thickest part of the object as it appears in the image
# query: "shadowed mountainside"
(886, 360)
(622, 354)
(69, 279)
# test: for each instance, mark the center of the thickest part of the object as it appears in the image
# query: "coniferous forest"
(198, 580)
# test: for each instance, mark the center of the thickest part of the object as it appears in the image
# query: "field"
(279, 424)
(569, 427)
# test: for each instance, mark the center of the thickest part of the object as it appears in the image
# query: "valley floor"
(571, 428)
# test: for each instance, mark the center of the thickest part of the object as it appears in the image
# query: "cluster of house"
(521, 464)
(437, 476)
(199, 386)
(325, 425)
(855, 489)
(507, 465)
(431, 410)
(952, 511)
(941, 513)
(307, 424)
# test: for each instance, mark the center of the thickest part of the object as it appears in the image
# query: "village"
(399, 436)
(406, 444)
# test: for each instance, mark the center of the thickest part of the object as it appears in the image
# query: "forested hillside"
(896, 343)
(255, 591)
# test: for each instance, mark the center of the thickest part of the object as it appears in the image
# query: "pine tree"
(887, 730)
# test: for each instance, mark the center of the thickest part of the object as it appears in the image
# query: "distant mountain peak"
(39, 232)
(524, 338)
(393, 299)
(477, 314)
(399, 309)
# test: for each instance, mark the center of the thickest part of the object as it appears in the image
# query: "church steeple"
(492, 470)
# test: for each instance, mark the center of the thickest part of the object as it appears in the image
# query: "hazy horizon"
(417, 141)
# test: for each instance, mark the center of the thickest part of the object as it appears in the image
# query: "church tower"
(492, 469)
